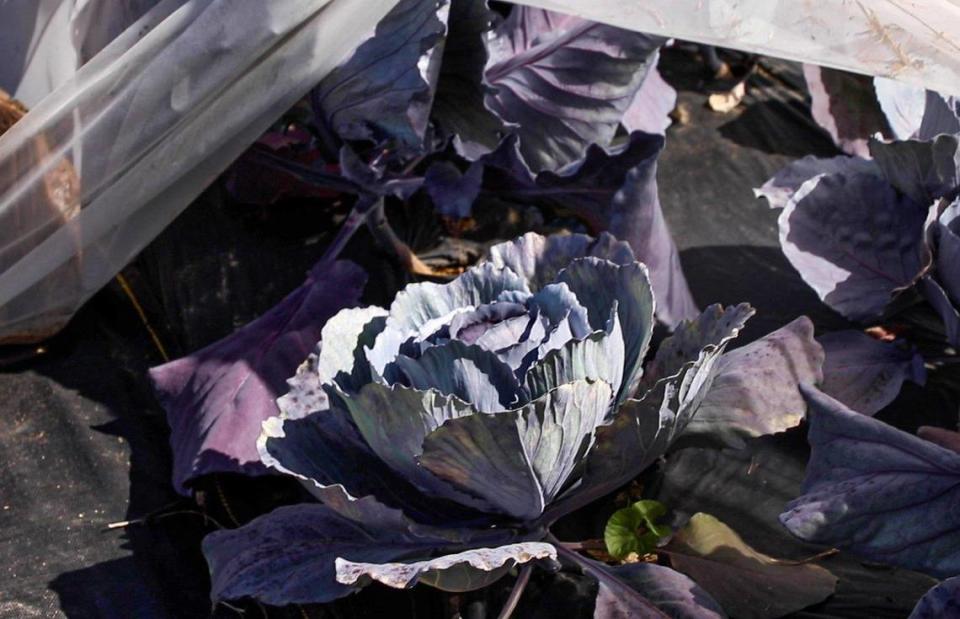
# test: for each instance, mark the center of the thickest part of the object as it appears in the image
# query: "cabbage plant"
(445, 435)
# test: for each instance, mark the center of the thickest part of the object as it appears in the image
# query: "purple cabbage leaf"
(216, 398)
(645, 590)
(846, 106)
(855, 240)
(942, 286)
(444, 435)
(747, 583)
(755, 391)
(877, 491)
(866, 374)
(385, 89)
(651, 106)
(612, 190)
(941, 602)
(459, 108)
(564, 82)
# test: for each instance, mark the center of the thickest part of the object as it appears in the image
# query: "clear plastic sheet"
(103, 164)
(100, 166)
(44, 42)
(917, 42)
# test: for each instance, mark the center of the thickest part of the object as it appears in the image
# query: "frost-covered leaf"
(634, 529)
(217, 397)
(674, 594)
(748, 584)
(305, 554)
(651, 106)
(756, 389)
(566, 81)
(878, 492)
(459, 108)
(781, 187)
(854, 240)
(865, 373)
(385, 89)
(941, 602)
(616, 191)
(471, 567)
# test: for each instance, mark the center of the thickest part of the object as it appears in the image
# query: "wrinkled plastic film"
(917, 42)
(102, 165)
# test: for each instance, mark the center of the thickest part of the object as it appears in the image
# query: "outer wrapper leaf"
(854, 240)
(565, 81)
(305, 554)
(877, 491)
(866, 374)
(217, 397)
(616, 191)
(385, 89)
(756, 390)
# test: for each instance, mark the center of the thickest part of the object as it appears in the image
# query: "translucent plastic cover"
(102, 164)
(98, 168)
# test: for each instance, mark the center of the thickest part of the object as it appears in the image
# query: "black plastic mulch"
(84, 443)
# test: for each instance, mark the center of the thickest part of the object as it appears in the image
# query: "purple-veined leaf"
(217, 397)
(941, 602)
(613, 191)
(865, 373)
(756, 389)
(854, 240)
(385, 89)
(781, 187)
(308, 553)
(748, 584)
(566, 82)
(651, 106)
(877, 491)
(845, 105)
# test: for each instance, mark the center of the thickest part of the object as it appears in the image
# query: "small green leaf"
(634, 529)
